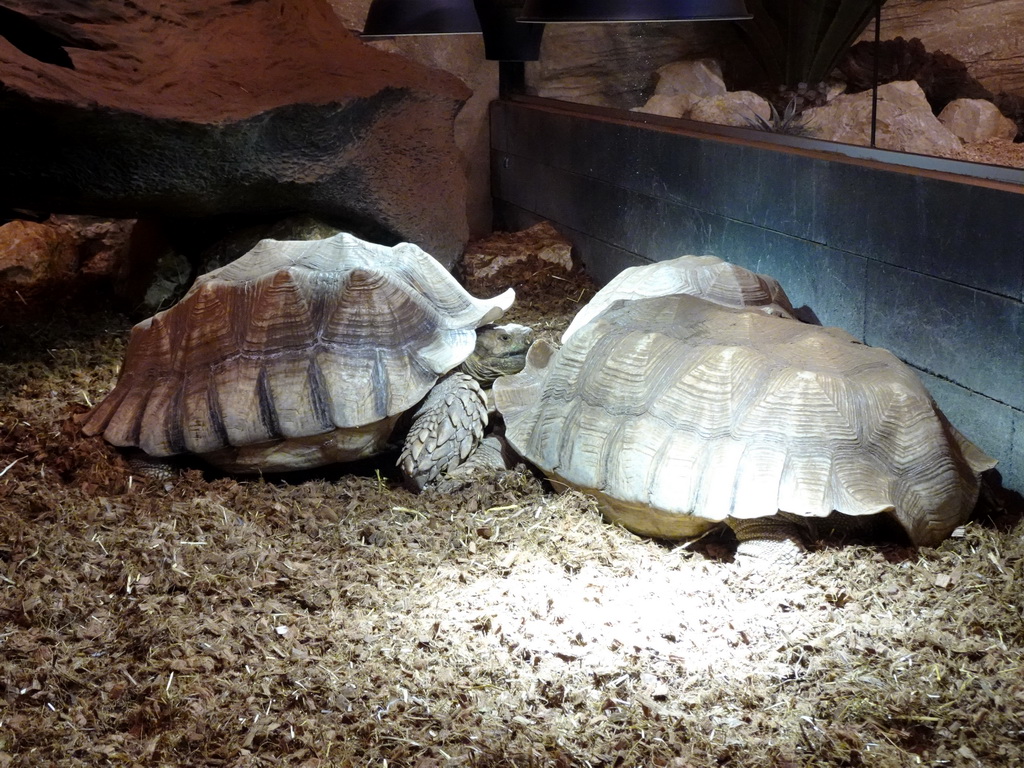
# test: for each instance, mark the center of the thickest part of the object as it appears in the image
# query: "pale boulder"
(977, 120)
(674, 105)
(737, 108)
(700, 78)
(905, 121)
(680, 85)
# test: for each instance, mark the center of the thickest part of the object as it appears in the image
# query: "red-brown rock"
(502, 259)
(33, 253)
(72, 260)
(206, 107)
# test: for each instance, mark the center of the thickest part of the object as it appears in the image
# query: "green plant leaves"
(801, 41)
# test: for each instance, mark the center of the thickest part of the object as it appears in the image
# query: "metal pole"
(511, 78)
(874, 80)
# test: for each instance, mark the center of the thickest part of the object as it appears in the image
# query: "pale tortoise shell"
(293, 341)
(677, 413)
(709, 277)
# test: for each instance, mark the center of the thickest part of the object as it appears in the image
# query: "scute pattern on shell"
(676, 413)
(708, 277)
(296, 338)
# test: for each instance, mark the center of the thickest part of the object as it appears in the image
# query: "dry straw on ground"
(335, 620)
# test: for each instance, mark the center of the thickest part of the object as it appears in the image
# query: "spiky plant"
(790, 122)
(801, 41)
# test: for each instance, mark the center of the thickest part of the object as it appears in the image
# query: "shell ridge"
(380, 385)
(705, 277)
(558, 444)
(113, 420)
(713, 499)
(664, 460)
(797, 407)
(517, 397)
(860, 484)
(277, 314)
(216, 416)
(617, 384)
(758, 480)
(173, 426)
(160, 432)
(319, 395)
(96, 420)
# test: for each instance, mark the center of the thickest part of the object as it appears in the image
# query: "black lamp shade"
(388, 18)
(554, 11)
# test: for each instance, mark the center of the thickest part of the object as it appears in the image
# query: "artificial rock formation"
(198, 108)
(983, 34)
(699, 79)
(942, 77)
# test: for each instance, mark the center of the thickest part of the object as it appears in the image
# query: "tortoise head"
(500, 351)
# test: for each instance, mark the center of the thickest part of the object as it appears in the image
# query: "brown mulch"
(336, 619)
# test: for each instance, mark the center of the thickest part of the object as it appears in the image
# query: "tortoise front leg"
(446, 429)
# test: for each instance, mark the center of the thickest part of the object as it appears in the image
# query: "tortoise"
(709, 277)
(680, 415)
(305, 353)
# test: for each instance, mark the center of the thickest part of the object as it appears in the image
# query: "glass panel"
(950, 76)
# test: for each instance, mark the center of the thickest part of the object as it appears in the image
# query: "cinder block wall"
(926, 264)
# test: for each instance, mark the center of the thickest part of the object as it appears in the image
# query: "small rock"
(38, 266)
(35, 254)
(977, 120)
(82, 260)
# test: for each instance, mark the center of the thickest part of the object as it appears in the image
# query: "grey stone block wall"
(926, 264)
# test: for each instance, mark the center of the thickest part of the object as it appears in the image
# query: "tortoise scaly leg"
(493, 455)
(159, 469)
(446, 429)
(770, 540)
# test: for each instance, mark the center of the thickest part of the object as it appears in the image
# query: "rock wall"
(462, 56)
(203, 108)
(987, 35)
